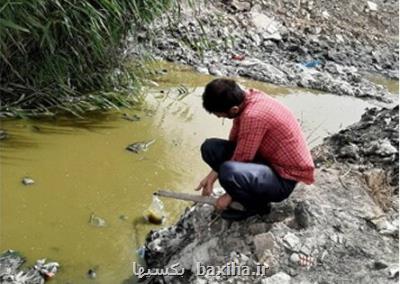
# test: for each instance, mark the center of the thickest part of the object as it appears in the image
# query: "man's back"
(268, 129)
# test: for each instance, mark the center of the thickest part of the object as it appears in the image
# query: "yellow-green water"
(81, 166)
(391, 85)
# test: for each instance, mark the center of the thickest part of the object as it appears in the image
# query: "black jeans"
(254, 184)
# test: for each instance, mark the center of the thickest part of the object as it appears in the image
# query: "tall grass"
(55, 52)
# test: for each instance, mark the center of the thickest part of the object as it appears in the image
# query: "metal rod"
(196, 198)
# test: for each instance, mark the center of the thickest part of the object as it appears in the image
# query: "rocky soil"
(342, 229)
(323, 45)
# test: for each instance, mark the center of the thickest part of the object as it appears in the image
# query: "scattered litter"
(27, 181)
(140, 251)
(97, 221)
(138, 147)
(92, 273)
(133, 117)
(48, 270)
(155, 213)
(312, 63)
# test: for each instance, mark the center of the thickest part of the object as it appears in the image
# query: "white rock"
(201, 69)
(264, 23)
(325, 14)
(27, 181)
(386, 148)
(291, 241)
(214, 71)
(280, 277)
(294, 258)
(372, 6)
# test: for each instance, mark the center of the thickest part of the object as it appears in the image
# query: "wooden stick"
(196, 198)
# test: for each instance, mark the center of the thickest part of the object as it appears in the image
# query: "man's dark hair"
(222, 94)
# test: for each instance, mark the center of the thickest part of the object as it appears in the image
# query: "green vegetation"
(54, 53)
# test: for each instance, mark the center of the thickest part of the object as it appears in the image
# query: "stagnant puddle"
(81, 167)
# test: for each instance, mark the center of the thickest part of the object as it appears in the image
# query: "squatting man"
(266, 154)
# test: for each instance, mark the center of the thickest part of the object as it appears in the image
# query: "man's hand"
(206, 184)
(223, 201)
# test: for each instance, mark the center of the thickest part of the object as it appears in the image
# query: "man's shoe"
(236, 215)
(265, 210)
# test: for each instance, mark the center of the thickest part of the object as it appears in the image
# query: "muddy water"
(81, 167)
(391, 85)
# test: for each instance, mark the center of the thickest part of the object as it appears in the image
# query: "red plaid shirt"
(269, 129)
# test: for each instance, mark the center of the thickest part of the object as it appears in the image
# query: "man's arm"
(207, 183)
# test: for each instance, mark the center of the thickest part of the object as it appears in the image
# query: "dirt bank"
(342, 228)
(323, 45)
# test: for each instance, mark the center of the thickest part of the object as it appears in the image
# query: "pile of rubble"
(11, 272)
(281, 43)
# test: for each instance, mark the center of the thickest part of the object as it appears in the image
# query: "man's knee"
(206, 146)
(227, 172)
(209, 147)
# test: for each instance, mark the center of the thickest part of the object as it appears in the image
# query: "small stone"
(301, 215)
(92, 273)
(258, 228)
(291, 241)
(240, 5)
(27, 181)
(372, 6)
(294, 258)
(280, 277)
(325, 14)
(214, 71)
(200, 281)
(263, 242)
(349, 151)
(202, 69)
(393, 272)
(306, 250)
(379, 264)
(386, 148)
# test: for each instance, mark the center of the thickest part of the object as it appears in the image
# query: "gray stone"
(291, 241)
(280, 277)
(379, 264)
(202, 69)
(214, 71)
(301, 215)
(258, 228)
(349, 151)
(294, 258)
(263, 242)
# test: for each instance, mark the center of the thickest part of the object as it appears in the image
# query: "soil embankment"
(343, 228)
(328, 45)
